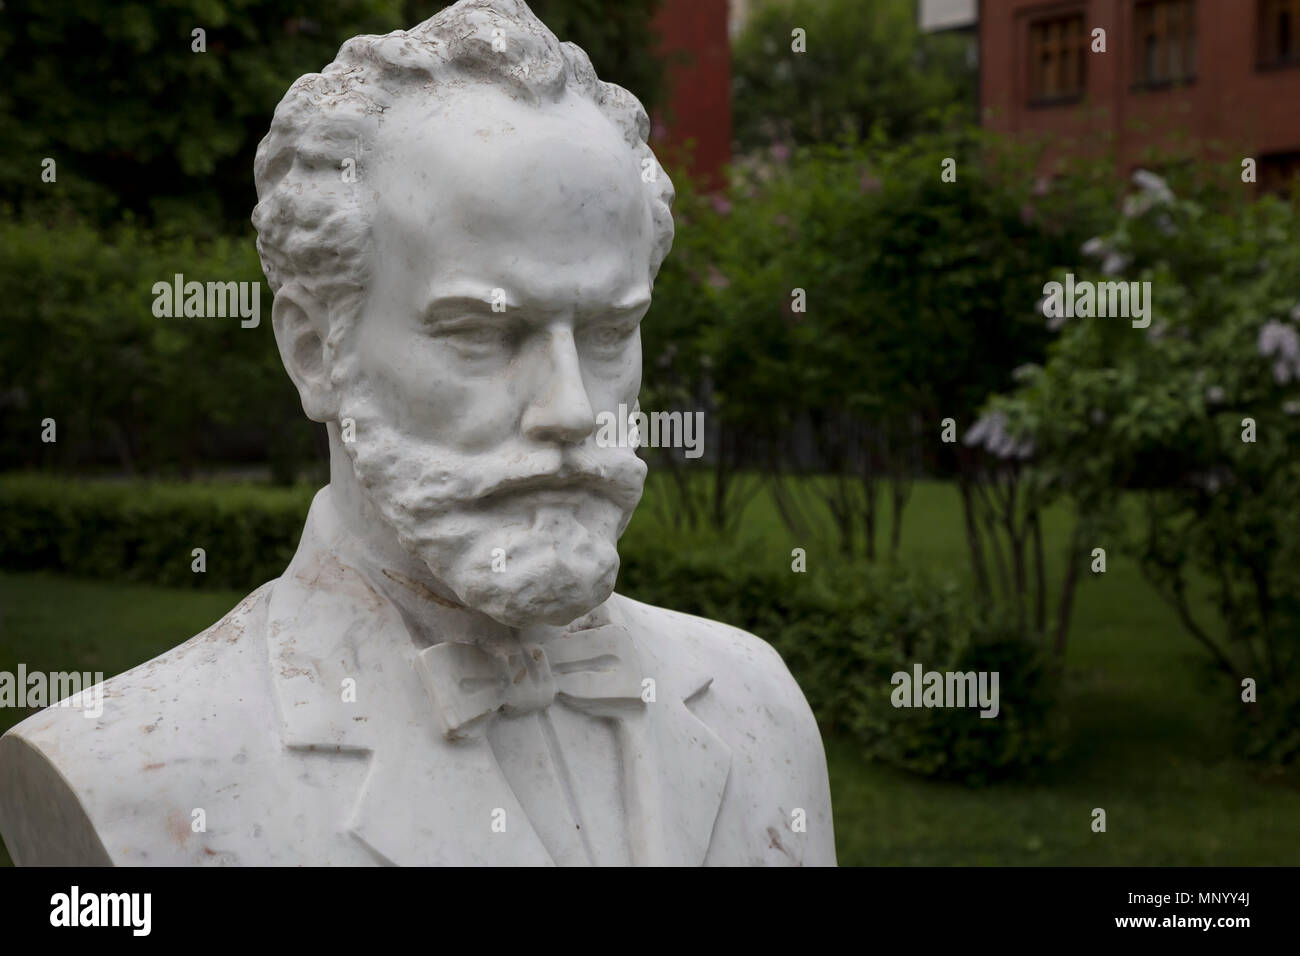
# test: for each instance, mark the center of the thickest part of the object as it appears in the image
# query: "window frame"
(1285, 182)
(1037, 20)
(1264, 61)
(1190, 41)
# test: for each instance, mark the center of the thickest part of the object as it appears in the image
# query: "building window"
(1279, 32)
(1278, 173)
(1164, 40)
(1056, 59)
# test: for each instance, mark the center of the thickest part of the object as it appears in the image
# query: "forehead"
(483, 188)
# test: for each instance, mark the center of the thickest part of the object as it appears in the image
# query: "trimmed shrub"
(846, 632)
(144, 394)
(147, 531)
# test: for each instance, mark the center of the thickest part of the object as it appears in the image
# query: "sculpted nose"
(561, 411)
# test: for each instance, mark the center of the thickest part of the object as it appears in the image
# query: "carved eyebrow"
(454, 306)
(639, 303)
(634, 306)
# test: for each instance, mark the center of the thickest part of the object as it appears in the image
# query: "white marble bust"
(462, 226)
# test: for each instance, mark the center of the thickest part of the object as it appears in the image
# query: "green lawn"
(1145, 742)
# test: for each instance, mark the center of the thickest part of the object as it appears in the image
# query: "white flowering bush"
(1181, 441)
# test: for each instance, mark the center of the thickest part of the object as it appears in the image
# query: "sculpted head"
(462, 225)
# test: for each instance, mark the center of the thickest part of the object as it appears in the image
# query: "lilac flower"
(1154, 191)
(990, 433)
(1054, 322)
(1153, 185)
(983, 426)
(1281, 342)
(1095, 248)
(1114, 264)
(721, 205)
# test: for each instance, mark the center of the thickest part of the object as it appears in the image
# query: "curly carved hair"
(314, 229)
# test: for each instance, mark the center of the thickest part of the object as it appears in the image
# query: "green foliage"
(913, 310)
(1162, 410)
(82, 346)
(867, 66)
(147, 531)
(844, 634)
(137, 121)
(945, 633)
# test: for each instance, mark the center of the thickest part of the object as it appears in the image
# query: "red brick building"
(1218, 79)
(696, 48)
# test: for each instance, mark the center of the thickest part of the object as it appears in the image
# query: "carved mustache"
(433, 480)
(618, 479)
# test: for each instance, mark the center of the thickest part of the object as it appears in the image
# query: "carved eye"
(478, 339)
(610, 337)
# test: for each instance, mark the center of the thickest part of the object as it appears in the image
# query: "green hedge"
(843, 632)
(158, 396)
(147, 531)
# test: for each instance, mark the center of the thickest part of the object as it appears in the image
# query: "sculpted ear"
(301, 325)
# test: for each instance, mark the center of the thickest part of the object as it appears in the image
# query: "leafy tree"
(1197, 418)
(152, 394)
(866, 65)
(839, 302)
(137, 121)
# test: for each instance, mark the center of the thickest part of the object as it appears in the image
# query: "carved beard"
(558, 541)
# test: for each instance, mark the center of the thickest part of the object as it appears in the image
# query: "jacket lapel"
(674, 765)
(425, 801)
(343, 676)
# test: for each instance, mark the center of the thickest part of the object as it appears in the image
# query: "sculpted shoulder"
(176, 723)
(744, 667)
(777, 807)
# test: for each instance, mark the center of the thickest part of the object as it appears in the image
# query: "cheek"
(432, 393)
(631, 377)
(611, 383)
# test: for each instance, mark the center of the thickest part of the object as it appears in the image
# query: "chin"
(557, 568)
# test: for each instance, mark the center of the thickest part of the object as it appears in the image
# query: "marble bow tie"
(594, 670)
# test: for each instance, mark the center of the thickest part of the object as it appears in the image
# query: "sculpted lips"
(565, 486)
